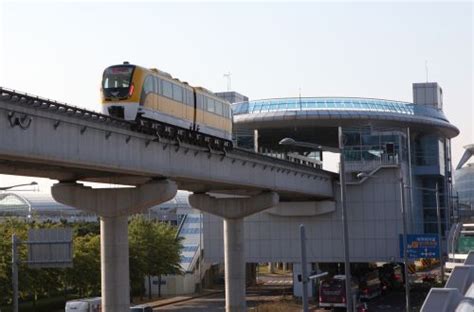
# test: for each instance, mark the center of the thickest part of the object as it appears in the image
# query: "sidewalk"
(176, 299)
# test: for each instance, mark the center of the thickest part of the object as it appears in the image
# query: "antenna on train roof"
(126, 62)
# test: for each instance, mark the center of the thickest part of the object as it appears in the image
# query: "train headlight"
(130, 91)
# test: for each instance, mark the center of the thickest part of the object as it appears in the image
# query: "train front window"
(116, 81)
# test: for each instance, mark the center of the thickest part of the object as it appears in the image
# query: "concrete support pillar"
(114, 263)
(233, 210)
(234, 260)
(114, 206)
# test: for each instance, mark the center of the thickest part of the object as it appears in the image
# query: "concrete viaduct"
(43, 138)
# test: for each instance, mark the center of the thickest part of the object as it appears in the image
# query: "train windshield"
(117, 77)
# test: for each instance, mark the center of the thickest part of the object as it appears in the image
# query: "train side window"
(218, 108)
(199, 101)
(187, 99)
(203, 102)
(177, 93)
(167, 88)
(148, 85)
(157, 85)
(210, 105)
(190, 98)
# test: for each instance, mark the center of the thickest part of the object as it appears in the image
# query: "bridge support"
(114, 205)
(234, 210)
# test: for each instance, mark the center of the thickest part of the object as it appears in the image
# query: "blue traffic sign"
(420, 246)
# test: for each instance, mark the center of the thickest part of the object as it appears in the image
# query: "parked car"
(370, 285)
(391, 276)
(84, 305)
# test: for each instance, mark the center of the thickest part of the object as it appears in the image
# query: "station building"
(385, 140)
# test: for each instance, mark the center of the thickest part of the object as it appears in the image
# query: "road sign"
(420, 246)
(50, 248)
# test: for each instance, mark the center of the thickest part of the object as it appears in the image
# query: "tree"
(154, 251)
(84, 276)
(85, 273)
(9, 227)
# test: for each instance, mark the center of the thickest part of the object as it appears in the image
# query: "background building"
(464, 178)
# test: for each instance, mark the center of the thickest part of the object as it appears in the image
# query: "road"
(216, 302)
(274, 287)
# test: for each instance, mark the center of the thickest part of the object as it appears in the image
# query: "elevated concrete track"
(43, 138)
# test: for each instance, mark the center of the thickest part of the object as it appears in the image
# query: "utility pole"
(405, 241)
(345, 234)
(15, 272)
(438, 216)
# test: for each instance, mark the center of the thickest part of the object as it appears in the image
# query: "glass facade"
(428, 151)
(368, 144)
(430, 219)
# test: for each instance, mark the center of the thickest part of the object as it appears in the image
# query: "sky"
(58, 49)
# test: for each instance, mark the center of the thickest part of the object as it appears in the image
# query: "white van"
(84, 305)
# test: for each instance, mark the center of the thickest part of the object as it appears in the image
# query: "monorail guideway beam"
(234, 210)
(114, 205)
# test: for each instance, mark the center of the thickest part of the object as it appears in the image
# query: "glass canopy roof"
(336, 104)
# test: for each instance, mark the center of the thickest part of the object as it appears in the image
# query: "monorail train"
(135, 93)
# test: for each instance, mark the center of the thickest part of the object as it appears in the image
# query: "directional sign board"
(421, 246)
(50, 248)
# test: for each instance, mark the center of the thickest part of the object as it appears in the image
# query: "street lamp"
(4, 188)
(342, 180)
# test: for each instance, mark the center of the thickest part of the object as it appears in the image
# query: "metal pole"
(405, 241)
(200, 250)
(438, 216)
(412, 209)
(304, 274)
(345, 236)
(15, 273)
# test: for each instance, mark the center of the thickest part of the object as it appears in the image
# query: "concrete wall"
(174, 284)
(374, 225)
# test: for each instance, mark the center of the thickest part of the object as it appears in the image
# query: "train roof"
(169, 76)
